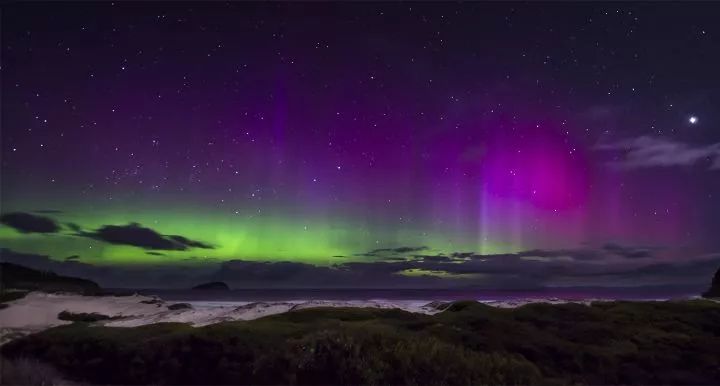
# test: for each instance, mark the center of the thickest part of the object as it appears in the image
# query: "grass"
(469, 343)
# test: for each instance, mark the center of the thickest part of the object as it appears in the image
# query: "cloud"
(189, 243)
(441, 258)
(29, 223)
(536, 265)
(73, 227)
(628, 252)
(646, 151)
(393, 251)
(562, 254)
(610, 265)
(136, 235)
(280, 271)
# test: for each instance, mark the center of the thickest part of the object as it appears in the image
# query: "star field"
(317, 132)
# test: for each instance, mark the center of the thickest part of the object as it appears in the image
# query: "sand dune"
(38, 311)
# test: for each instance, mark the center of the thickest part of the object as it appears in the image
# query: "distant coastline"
(443, 294)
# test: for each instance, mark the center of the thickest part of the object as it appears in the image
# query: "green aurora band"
(268, 237)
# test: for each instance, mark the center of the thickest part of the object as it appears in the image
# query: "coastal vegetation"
(671, 342)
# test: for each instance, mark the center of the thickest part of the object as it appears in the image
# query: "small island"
(215, 285)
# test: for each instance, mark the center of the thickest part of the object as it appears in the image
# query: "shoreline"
(550, 343)
(38, 311)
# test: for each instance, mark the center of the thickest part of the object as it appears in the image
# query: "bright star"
(693, 120)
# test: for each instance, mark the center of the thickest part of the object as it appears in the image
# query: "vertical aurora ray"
(319, 138)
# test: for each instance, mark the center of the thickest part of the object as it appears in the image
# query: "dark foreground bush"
(26, 371)
(378, 356)
(469, 343)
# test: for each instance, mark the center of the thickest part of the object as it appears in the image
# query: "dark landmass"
(714, 290)
(674, 342)
(215, 285)
(83, 317)
(13, 276)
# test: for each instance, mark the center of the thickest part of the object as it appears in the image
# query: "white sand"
(38, 311)
(203, 313)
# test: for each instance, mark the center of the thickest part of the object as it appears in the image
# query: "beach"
(38, 311)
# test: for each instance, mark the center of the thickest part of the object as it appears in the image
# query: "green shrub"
(25, 371)
(469, 343)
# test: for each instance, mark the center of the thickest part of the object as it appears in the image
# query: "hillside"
(714, 290)
(13, 276)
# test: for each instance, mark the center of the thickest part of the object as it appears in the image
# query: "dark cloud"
(281, 271)
(698, 268)
(462, 255)
(537, 265)
(574, 254)
(189, 243)
(440, 258)
(73, 257)
(605, 252)
(609, 266)
(154, 253)
(409, 249)
(29, 223)
(392, 251)
(628, 252)
(136, 235)
(645, 151)
(73, 227)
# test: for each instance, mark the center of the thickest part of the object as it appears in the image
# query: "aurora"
(236, 136)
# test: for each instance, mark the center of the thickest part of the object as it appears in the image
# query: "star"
(693, 119)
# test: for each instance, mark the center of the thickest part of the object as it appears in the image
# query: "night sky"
(363, 144)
